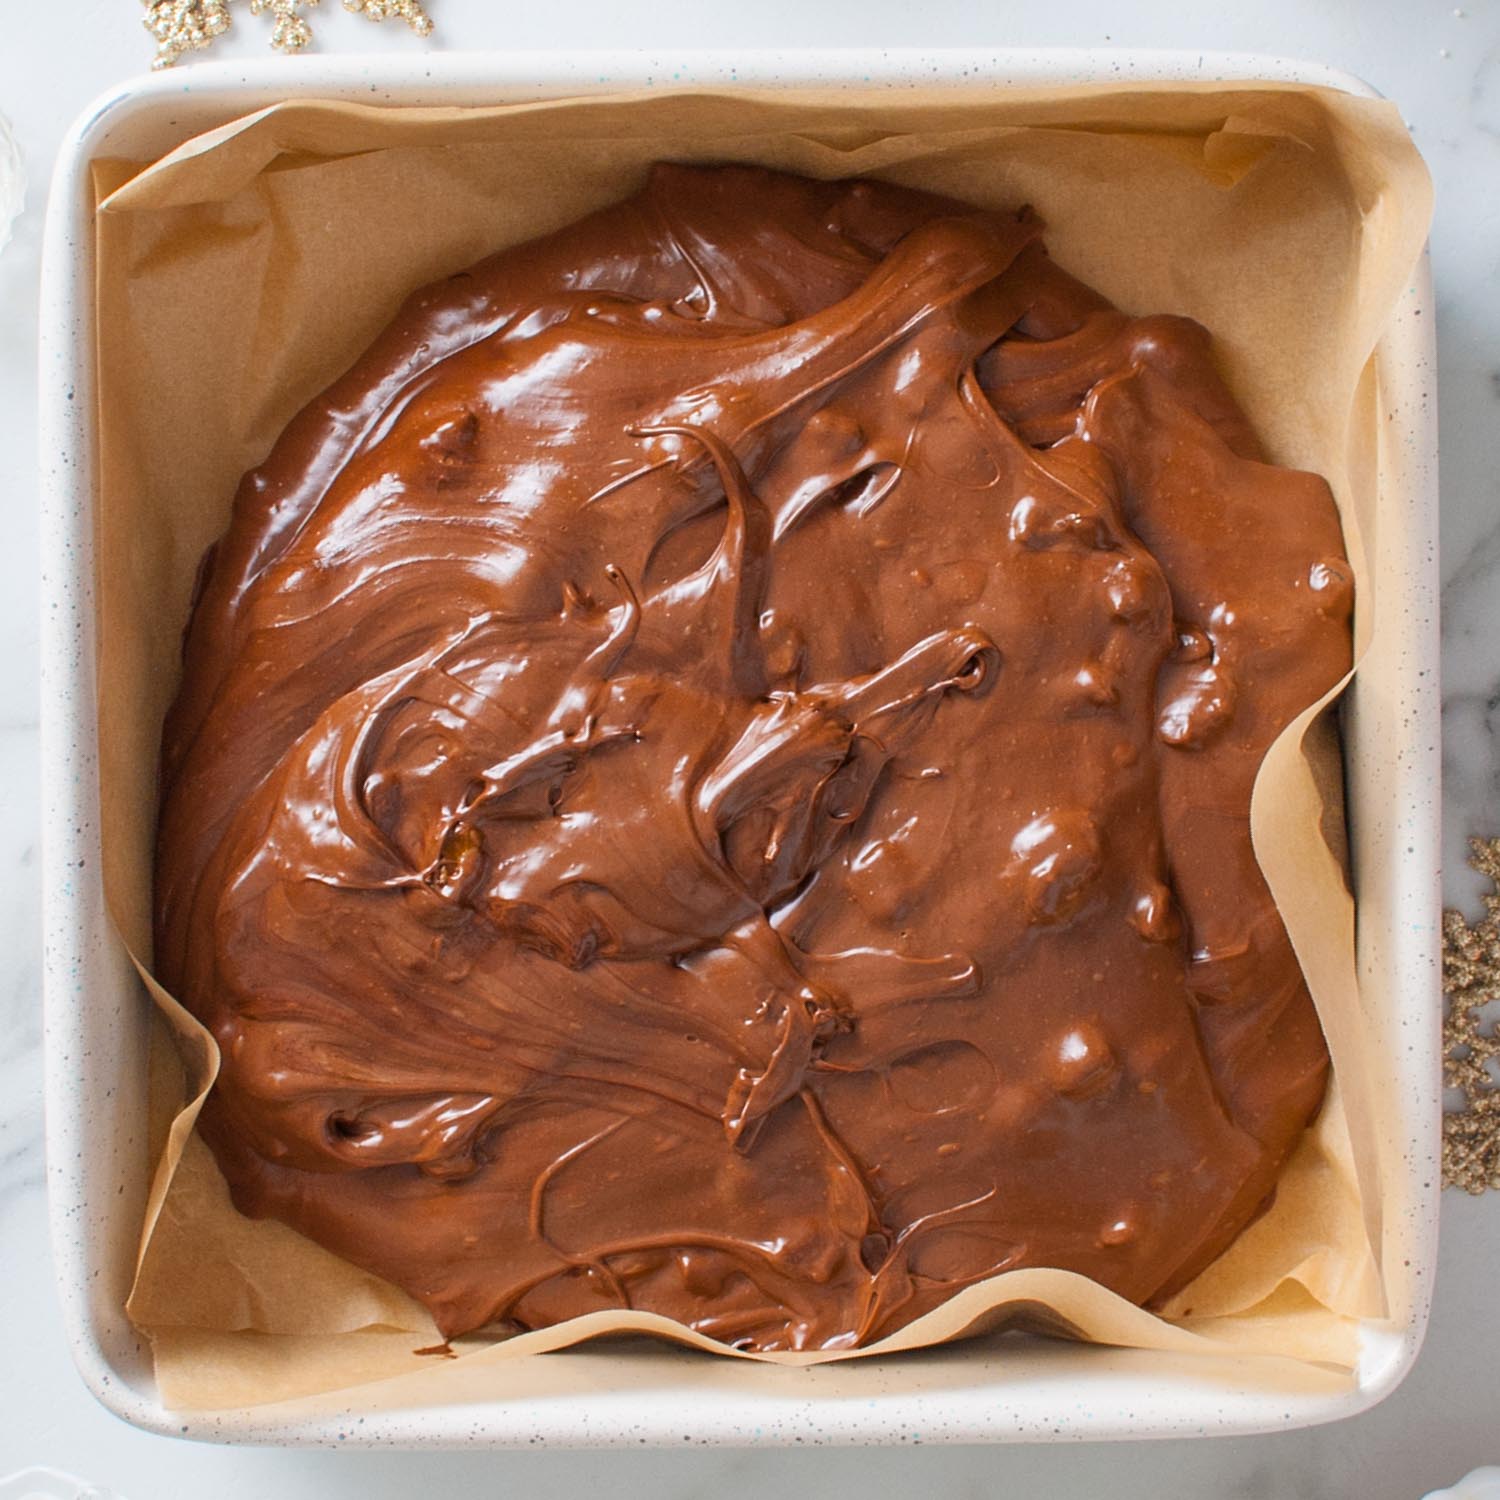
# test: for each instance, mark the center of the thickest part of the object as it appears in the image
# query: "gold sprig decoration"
(182, 26)
(392, 10)
(1471, 1045)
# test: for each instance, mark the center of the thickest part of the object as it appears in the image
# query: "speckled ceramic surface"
(96, 1017)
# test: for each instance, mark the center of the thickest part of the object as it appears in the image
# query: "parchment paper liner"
(247, 269)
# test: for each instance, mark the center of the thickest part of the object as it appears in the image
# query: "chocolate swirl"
(712, 775)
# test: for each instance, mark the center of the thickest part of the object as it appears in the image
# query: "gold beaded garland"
(182, 26)
(1471, 1045)
(393, 10)
(289, 32)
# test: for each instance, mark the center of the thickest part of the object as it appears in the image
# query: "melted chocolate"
(712, 775)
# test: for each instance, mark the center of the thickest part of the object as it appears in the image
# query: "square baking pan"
(98, 1017)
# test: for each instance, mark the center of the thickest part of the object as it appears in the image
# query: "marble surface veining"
(1467, 169)
(1442, 64)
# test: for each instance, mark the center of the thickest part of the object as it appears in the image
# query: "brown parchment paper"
(246, 270)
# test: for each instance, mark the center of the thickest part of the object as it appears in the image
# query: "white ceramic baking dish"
(97, 1014)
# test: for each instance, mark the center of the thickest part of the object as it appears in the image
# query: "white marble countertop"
(1441, 63)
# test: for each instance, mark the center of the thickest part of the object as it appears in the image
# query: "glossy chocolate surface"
(713, 771)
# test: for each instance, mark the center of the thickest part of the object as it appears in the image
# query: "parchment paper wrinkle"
(1285, 218)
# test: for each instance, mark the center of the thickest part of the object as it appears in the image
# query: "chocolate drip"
(712, 775)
